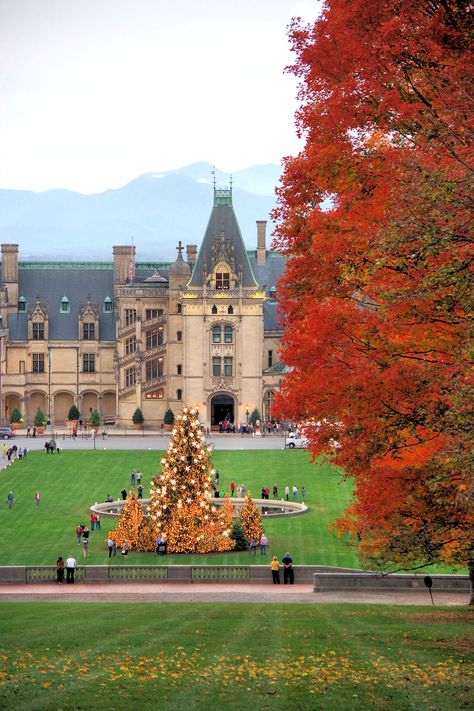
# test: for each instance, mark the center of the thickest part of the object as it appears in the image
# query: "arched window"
(230, 309)
(21, 305)
(216, 334)
(214, 309)
(228, 334)
(64, 307)
(267, 404)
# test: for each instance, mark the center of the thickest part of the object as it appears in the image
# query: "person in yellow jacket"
(275, 566)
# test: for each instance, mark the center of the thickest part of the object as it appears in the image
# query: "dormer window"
(108, 305)
(38, 331)
(21, 305)
(88, 331)
(222, 280)
(64, 307)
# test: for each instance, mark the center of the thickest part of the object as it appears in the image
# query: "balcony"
(127, 358)
(157, 350)
(127, 330)
(154, 383)
(127, 389)
(157, 321)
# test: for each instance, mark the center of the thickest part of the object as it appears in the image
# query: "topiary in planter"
(15, 417)
(94, 420)
(137, 417)
(39, 419)
(254, 417)
(73, 414)
(168, 419)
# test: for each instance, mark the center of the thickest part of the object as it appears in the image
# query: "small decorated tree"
(227, 512)
(254, 417)
(251, 520)
(133, 526)
(39, 419)
(94, 420)
(15, 417)
(73, 414)
(238, 536)
(181, 507)
(137, 417)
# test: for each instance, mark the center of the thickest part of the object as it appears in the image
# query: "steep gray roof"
(222, 236)
(51, 284)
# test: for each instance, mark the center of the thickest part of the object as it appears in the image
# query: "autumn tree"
(374, 215)
(251, 520)
(181, 508)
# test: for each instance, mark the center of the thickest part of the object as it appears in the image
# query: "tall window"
(38, 362)
(130, 345)
(88, 331)
(180, 308)
(222, 280)
(179, 335)
(216, 334)
(88, 362)
(154, 338)
(38, 331)
(270, 359)
(228, 334)
(228, 370)
(153, 313)
(179, 369)
(267, 404)
(179, 394)
(130, 316)
(130, 377)
(154, 369)
(21, 304)
(216, 366)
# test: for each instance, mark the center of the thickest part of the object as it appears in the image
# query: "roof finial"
(230, 183)
(180, 249)
(213, 173)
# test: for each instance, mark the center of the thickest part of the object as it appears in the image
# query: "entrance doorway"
(222, 409)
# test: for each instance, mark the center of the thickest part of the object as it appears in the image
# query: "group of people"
(70, 566)
(288, 572)
(13, 452)
(50, 447)
(83, 532)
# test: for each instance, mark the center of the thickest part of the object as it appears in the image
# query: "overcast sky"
(96, 92)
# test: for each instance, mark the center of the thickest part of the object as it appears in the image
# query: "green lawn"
(239, 656)
(70, 482)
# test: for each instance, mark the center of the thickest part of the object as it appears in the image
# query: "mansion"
(123, 335)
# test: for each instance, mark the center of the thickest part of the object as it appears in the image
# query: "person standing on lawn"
(10, 498)
(232, 487)
(37, 498)
(79, 534)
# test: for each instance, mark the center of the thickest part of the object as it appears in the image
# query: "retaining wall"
(367, 582)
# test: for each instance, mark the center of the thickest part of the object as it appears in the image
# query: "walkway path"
(209, 592)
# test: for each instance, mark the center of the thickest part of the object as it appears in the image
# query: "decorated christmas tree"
(251, 520)
(133, 526)
(181, 508)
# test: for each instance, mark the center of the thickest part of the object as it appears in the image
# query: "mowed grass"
(71, 481)
(73, 656)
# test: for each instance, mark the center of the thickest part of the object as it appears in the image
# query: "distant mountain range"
(156, 209)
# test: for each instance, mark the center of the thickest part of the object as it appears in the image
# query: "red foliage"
(377, 297)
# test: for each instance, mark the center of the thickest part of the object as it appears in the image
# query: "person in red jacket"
(232, 487)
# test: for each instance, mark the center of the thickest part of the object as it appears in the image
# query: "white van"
(296, 441)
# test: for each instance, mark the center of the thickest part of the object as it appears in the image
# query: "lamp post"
(247, 412)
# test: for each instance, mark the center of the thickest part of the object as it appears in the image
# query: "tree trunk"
(471, 580)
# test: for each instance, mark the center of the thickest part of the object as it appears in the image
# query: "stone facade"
(117, 336)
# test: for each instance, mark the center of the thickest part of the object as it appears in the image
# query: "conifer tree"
(251, 520)
(133, 526)
(181, 508)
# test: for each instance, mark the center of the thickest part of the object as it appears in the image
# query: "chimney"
(191, 254)
(261, 242)
(124, 263)
(10, 272)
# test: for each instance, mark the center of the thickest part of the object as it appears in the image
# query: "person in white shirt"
(263, 544)
(71, 565)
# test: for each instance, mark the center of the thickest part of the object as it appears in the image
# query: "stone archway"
(109, 403)
(11, 401)
(222, 407)
(37, 400)
(62, 402)
(90, 402)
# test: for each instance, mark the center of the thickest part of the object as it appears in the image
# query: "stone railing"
(268, 508)
(160, 573)
(359, 581)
